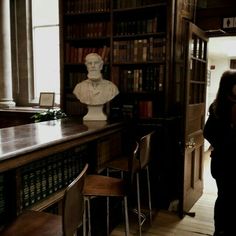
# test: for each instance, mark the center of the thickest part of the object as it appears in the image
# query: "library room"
(114, 119)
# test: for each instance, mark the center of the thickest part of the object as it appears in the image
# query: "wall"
(221, 63)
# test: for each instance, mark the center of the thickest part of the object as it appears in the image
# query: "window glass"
(45, 12)
(45, 25)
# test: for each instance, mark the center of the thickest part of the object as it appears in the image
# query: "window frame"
(22, 58)
(22, 53)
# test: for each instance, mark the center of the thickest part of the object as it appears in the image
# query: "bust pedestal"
(95, 112)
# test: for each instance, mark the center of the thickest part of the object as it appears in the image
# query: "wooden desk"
(38, 160)
(17, 116)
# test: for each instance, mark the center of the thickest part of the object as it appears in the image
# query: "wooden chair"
(36, 223)
(144, 157)
(106, 186)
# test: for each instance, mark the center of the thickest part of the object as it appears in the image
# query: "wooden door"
(195, 98)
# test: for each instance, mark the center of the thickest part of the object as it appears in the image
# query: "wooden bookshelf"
(131, 36)
(148, 42)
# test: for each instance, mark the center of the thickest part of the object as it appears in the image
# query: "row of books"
(133, 3)
(103, 29)
(88, 30)
(77, 55)
(143, 109)
(142, 50)
(132, 27)
(75, 6)
(149, 79)
(141, 80)
(2, 198)
(42, 178)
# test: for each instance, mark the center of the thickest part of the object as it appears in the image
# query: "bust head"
(94, 64)
(95, 91)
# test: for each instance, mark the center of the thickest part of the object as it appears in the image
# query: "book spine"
(44, 179)
(32, 187)
(55, 174)
(2, 199)
(38, 183)
(49, 178)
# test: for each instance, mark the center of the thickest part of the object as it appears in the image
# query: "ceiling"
(222, 46)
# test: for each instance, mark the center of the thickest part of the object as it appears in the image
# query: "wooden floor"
(167, 223)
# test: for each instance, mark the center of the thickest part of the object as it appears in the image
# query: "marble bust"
(95, 91)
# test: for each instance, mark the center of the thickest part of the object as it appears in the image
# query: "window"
(46, 62)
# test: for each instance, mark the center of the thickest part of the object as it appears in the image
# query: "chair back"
(73, 205)
(145, 149)
(133, 164)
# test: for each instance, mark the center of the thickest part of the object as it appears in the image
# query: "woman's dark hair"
(222, 104)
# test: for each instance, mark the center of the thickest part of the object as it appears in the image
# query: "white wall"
(219, 57)
(221, 64)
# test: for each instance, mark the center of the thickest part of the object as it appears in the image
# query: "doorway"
(221, 50)
(209, 182)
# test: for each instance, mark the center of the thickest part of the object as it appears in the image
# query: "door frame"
(192, 144)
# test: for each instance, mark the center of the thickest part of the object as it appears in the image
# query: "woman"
(220, 131)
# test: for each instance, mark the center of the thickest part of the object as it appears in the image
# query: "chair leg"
(84, 218)
(108, 217)
(149, 195)
(87, 211)
(89, 219)
(126, 217)
(138, 203)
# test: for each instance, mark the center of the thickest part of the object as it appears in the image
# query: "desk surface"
(23, 139)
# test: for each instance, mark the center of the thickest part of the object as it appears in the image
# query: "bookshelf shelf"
(86, 14)
(137, 6)
(97, 39)
(139, 36)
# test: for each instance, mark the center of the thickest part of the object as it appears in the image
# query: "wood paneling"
(212, 18)
(8, 119)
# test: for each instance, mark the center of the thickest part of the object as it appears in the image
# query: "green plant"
(50, 114)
